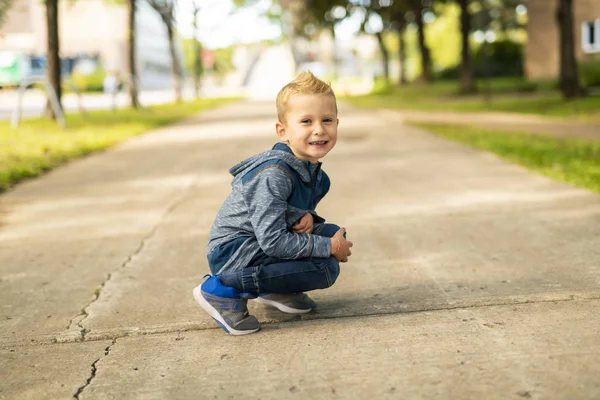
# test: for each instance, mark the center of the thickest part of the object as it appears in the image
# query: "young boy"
(267, 242)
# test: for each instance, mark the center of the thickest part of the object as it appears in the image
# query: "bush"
(589, 71)
(380, 86)
(93, 82)
(505, 59)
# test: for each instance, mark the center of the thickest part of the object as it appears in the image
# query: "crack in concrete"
(94, 371)
(88, 381)
(84, 314)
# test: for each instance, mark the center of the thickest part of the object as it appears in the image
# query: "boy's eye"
(306, 121)
(327, 120)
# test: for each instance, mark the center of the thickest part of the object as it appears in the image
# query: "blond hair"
(304, 83)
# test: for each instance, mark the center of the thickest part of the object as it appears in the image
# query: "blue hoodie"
(270, 192)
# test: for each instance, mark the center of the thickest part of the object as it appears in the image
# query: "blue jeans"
(267, 274)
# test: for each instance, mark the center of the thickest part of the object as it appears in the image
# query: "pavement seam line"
(193, 328)
(84, 311)
(94, 371)
(333, 317)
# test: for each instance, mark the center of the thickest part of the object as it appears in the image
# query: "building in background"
(542, 51)
(93, 31)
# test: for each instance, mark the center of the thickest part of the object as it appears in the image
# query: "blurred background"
(117, 53)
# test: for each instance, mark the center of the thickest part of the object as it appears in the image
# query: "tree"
(131, 59)
(292, 22)
(569, 76)
(499, 15)
(395, 14)
(325, 15)
(166, 9)
(198, 68)
(4, 8)
(53, 55)
(467, 75)
(419, 10)
(399, 24)
(385, 55)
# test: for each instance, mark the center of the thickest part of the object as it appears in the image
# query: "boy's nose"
(319, 129)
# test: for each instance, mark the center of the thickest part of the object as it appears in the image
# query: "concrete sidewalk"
(471, 277)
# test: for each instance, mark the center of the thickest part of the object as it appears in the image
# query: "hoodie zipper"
(313, 181)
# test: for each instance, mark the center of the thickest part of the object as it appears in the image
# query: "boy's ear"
(337, 123)
(280, 130)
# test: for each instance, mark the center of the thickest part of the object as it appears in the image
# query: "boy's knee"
(328, 230)
(333, 270)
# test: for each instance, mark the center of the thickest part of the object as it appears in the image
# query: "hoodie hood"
(280, 151)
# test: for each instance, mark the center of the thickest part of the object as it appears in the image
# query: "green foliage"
(381, 86)
(589, 70)
(443, 37)
(500, 58)
(507, 95)
(244, 3)
(318, 13)
(505, 57)
(224, 60)
(40, 145)
(574, 161)
(93, 82)
(189, 54)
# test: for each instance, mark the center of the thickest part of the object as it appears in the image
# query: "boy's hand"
(304, 224)
(343, 251)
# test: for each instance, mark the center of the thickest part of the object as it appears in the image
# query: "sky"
(220, 25)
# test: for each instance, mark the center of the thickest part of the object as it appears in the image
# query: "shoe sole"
(216, 316)
(283, 307)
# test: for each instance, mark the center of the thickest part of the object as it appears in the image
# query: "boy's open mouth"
(319, 142)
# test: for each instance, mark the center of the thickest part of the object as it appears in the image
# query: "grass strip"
(506, 96)
(575, 161)
(39, 145)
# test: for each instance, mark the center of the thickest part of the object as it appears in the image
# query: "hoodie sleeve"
(317, 219)
(266, 198)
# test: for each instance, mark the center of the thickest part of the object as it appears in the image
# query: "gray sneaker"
(227, 307)
(291, 303)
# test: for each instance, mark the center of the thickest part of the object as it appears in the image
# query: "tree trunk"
(175, 67)
(52, 55)
(467, 78)
(402, 56)
(425, 53)
(5, 6)
(386, 56)
(197, 56)
(131, 63)
(401, 29)
(569, 76)
(334, 52)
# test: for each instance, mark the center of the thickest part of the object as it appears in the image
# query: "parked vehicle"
(15, 66)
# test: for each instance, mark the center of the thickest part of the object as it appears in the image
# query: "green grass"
(39, 144)
(508, 95)
(575, 161)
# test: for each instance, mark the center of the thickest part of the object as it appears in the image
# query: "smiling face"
(309, 126)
